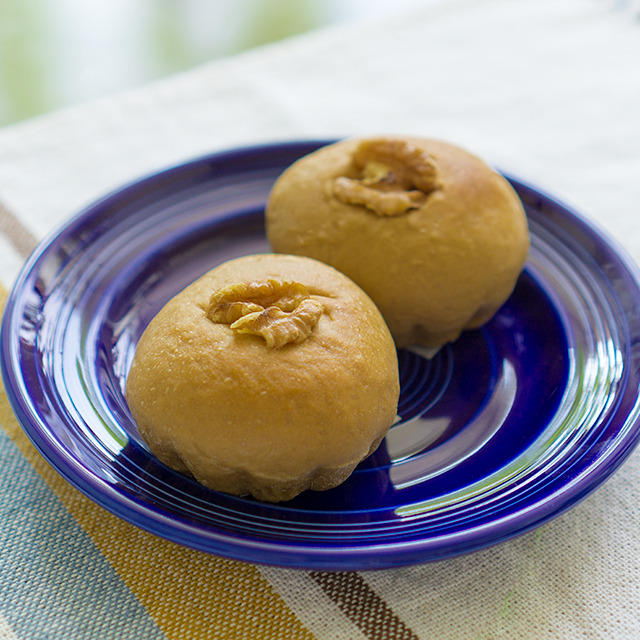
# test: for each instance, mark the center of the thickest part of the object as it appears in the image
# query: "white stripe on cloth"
(311, 605)
(6, 632)
(10, 264)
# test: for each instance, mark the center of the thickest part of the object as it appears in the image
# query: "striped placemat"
(70, 570)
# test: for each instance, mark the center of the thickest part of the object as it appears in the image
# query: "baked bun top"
(268, 375)
(434, 235)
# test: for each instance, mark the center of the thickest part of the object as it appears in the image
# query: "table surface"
(549, 91)
(49, 58)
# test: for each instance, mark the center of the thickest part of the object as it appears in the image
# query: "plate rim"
(283, 553)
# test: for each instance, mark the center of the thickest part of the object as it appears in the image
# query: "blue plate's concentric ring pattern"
(496, 433)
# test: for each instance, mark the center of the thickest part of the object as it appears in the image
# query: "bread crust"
(442, 266)
(246, 418)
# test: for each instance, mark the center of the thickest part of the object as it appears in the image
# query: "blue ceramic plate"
(499, 432)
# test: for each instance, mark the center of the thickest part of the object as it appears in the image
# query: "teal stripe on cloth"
(54, 583)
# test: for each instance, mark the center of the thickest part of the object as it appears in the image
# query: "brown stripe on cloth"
(19, 236)
(362, 605)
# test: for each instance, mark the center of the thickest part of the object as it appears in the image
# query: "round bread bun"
(269, 375)
(434, 235)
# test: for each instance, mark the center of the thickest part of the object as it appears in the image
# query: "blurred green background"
(55, 53)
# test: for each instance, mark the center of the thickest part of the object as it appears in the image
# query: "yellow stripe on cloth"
(191, 595)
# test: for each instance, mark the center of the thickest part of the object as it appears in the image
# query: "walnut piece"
(392, 177)
(279, 327)
(280, 311)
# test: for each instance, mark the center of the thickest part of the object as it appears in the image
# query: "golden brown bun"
(437, 242)
(245, 417)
